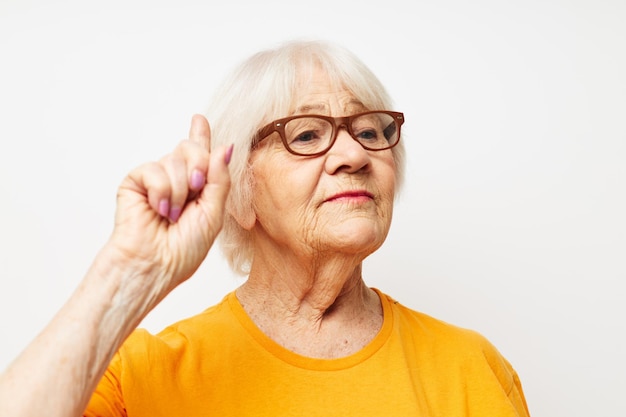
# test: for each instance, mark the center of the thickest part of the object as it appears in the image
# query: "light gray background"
(512, 218)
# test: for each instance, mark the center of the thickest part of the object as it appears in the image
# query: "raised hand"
(169, 212)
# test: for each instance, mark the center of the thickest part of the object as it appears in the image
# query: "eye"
(374, 130)
(369, 135)
(306, 136)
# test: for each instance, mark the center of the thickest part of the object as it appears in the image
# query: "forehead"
(319, 94)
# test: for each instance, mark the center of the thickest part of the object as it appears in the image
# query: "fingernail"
(175, 213)
(164, 207)
(229, 154)
(197, 180)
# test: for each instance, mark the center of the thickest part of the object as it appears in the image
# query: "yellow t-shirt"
(219, 363)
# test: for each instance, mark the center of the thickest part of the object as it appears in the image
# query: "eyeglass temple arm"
(390, 130)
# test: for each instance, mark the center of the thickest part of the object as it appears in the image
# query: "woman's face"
(341, 201)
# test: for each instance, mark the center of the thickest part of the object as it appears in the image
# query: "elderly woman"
(317, 160)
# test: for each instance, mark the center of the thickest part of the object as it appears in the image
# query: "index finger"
(200, 131)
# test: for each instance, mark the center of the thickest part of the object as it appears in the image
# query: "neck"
(319, 309)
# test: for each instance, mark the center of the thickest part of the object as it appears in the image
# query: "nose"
(346, 154)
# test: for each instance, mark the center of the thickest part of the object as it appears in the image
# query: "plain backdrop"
(511, 221)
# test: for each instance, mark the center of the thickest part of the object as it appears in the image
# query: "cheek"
(387, 177)
(282, 188)
(386, 184)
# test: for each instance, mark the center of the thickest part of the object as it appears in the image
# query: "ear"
(244, 216)
(241, 203)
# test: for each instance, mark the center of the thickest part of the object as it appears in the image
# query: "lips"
(351, 195)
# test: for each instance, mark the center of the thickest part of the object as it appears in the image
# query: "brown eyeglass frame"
(336, 122)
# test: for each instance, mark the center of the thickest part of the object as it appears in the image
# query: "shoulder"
(178, 337)
(422, 322)
(452, 346)
(431, 329)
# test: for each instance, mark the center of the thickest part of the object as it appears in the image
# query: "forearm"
(57, 373)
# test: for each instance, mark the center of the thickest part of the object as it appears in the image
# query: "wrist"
(125, 287)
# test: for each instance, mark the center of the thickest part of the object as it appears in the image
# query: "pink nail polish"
(229, 154)
(197, 180)
(164, 207)
(175, 213)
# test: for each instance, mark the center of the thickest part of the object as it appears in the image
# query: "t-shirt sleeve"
(507, 377)
(107, 399)
(516, 394)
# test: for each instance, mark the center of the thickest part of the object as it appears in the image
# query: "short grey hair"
(263, 88)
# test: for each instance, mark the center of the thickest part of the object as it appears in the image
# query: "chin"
(356, 237)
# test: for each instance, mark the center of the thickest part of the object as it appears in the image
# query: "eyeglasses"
(314, 135)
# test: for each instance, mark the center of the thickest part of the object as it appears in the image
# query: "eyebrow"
(311, 108)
